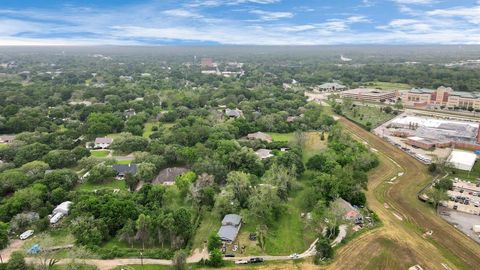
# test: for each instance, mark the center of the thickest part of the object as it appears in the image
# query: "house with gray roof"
(331, 87)
(236, 113)
(259, 136)
(122, 170)
(231, 224)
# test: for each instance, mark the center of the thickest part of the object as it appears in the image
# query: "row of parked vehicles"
(251, 260)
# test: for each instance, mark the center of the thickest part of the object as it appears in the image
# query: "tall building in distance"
(441, 97)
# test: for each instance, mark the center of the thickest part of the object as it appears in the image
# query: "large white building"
(462, 160)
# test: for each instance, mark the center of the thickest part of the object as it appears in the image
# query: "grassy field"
(3, 145)
(465, 175)
(281, 137)
(388, 85)
(210, 224)
(147, 130)
(313, 144)
(99, 153)
(366, 114)
(114, 184)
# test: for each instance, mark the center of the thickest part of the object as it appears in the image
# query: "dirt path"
(405, 220)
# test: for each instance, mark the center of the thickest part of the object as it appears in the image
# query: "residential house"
(231, 224)
(122, 170)
(236, 113)
(129, 113)
(102, 143)
(264, 153)
(167, 176)
(7, 138)
(259, 136)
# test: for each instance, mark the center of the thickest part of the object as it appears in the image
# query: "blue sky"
(242, 22)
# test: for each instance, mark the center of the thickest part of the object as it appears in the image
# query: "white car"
(294, 256)
(26, 234)
(241, 262)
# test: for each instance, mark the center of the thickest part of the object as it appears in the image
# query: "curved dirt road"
(401, 242)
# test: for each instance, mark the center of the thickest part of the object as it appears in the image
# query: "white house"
(103, 142)
(60, 211)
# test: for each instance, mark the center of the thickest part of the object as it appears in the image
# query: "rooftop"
(103, 140)
(367, 91)
(123, 169)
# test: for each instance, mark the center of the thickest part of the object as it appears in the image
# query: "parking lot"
(465, 197)
(462, 221)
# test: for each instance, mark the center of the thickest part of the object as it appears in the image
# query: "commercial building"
(427, 132)
(331, 87)
(462, 160)
(441, 97)
(369, 94)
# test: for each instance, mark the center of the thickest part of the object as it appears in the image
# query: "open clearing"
(313, 144)
(281, 137)
(364, 114)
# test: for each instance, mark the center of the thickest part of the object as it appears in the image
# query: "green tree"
(323, 250)
(185, 181)
(127, 233)
(240, 184)
(60, 159)
(180, 260)
(17, 262)
(131, 182)
(3, 235)
(214, 242)
(216, 258)
(143, 226)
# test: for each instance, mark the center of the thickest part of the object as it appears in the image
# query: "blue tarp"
(34, 249)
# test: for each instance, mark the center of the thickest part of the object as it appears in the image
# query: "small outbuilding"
(264, 153)
(462, 160)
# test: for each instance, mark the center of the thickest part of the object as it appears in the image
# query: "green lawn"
(365, 114)
(210, 224)
(388, 85)
(114, 184)
(99, 153)
(465, 175)
(123, 162)
(3, 145)
(147, 130)
(282, 137)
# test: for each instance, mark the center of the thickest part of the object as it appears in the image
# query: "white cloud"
(414, 2)
(271, 15)
(179, 12)
(470, 14)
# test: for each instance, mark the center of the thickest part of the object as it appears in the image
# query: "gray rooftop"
(232, 219)
(228, 233)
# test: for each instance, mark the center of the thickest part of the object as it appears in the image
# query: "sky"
(239, 22)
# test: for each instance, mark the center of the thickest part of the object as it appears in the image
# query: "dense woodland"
(41, 95)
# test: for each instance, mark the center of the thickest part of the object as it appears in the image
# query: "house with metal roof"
(231, 224)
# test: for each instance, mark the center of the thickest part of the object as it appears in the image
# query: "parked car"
(26, 234)
(293, 256)
(455, 207)
(256, 260)
(242, 262)
(230, 255)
